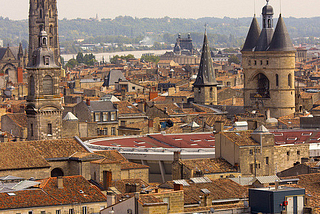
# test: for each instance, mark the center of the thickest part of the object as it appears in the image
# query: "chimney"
(150, 126)
(176, 156)
(107, 179)
(60, 182)
(156, 190)
(88, 102)
(178, 187)
(252, 125)
(111, 200)
(219, 126)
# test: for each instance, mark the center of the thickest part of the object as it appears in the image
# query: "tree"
(234, 59)
(72, 63)
(80, 58)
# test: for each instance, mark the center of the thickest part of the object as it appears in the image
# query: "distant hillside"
(226, 31)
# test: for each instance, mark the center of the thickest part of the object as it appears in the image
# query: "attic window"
(129, 107)
(46, 60)
(11, 194)
(81, 191)
(306, 134)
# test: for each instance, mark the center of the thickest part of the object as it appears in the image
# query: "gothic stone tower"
(43, 16)
(44, 103)
(268, 61)
(205, 86)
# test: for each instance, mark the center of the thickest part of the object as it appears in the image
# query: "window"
(71, 211)
(261, 62)
(133, 88)
(277, 80)
(113, 116)
(267, 62)
(113, 131)
(267, 160)
(49, 129)
(46, 60)
(58, 211)
(251, 152)
(43, 212)
(84, 210)
(31, 129)
(298, 152)
(30, 212)
(98, 131)
(97, 117)
(249, 62)
(105, 116)
(255, 62)
(289, 81)
(288, 155)
(105, 131)
(251, 168)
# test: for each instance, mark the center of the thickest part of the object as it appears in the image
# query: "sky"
(72, 9)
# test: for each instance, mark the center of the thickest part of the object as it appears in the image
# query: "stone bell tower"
(43, 16)
(268, 61)
(44, 102)
(205, 86)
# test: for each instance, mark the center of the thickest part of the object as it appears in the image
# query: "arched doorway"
(56, 172)
(263, 85)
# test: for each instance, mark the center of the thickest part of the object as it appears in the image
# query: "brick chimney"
(60, 182)
(88, 102)
(252, 125)
(107, 179)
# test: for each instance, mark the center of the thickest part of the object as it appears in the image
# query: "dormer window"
(44, 41)
(46, 60)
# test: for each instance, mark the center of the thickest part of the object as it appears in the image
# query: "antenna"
(254, 7)
(280, 6)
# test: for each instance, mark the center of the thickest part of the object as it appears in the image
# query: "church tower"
(44, 103)
(268, 61)
(205, 86)
(43, 16)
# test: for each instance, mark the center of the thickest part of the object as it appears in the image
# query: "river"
(107, 56)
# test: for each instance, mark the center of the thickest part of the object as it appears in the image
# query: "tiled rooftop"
(208, 166)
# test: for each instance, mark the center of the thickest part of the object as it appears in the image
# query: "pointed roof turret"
(206, 75)
(281, 40)
(252, 36)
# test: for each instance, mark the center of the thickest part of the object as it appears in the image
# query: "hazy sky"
(70, 9)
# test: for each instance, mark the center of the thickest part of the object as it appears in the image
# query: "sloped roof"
(57, 148)
(113, 77)
(208, 165)
(252, 36)
(266, 179)
(206, 74)
(281, 40)
(261, 129)
(100, 105)
(264, 39)
(20, 155)
(241, 138)
(70, 117)
(19, 118)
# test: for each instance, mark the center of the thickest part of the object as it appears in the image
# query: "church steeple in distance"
(205, 86)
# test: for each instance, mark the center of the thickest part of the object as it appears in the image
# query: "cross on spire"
(267, 1)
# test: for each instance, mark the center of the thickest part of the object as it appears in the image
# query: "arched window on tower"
(290, 80)
(47, 85)
(41, 14)
(277, 80)
(211, 92)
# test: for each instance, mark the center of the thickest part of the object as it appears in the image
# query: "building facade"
(268, 60)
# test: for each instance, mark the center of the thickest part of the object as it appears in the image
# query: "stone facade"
(263, 159)
(38, 173)
(44, 103)
(43, 16)
(206, 95)
(276, 70)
